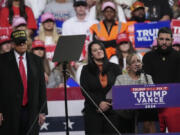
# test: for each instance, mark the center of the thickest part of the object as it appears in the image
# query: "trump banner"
(175, 26)
(145, 33)
(55, 122)
(146, 96)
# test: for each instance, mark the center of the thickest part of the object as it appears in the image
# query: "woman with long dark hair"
(97, 78)
(38, 48)
(15, 8)
(123, 49)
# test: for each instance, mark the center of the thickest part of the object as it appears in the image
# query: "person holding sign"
(137, 16)
(163, 64)
(135, 76)
(97, 78)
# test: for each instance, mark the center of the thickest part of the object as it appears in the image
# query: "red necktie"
(24, 80)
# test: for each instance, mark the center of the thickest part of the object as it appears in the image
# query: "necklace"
(163, 58)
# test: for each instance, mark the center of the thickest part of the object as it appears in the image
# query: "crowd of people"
(109, 57)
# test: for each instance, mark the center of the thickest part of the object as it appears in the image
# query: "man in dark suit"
(23, 103)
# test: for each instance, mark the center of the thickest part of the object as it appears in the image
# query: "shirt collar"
(113, 23)
(17, 55)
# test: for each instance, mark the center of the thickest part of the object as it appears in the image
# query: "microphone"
(142, 71)
(138, 72)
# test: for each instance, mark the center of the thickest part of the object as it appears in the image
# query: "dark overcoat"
(11, 92)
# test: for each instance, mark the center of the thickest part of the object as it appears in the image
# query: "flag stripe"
(56, 108)
(58, 124)
(73, 93)
(63, 133)
(55, 122)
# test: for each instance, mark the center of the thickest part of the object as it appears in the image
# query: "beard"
(164, 51)
(139, 19)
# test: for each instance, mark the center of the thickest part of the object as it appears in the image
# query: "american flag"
(55, 122)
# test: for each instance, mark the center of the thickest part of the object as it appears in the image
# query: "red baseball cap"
(122, 37)
(4, 36)
(38, 44)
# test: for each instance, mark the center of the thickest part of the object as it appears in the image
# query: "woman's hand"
(104, 106)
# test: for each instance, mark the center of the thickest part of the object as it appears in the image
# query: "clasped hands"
(104, 106)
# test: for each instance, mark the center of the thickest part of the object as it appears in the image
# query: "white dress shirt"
(17, 55)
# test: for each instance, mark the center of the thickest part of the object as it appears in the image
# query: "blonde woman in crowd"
(48, 30)
(48, 34)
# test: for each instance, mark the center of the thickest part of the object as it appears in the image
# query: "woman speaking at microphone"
(97, 78)
(127, 118)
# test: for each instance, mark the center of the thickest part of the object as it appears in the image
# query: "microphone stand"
(65, 97)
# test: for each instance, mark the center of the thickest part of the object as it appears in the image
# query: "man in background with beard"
(163, 64)
(137, 16)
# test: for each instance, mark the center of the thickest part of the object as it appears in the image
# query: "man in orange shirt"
(106, 30)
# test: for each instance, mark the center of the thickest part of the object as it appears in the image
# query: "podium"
(146, 96)
(68, 49)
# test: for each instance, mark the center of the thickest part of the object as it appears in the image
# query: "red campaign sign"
(5, 31)
(175, 26)
(50, 51)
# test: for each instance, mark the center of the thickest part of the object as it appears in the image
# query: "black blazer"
(90, 82)
(11, 91)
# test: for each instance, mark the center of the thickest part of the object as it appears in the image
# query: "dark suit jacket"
(11, 92)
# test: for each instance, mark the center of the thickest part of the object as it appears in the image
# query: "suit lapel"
(31, 73)
(14, 66)
(15, 71)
